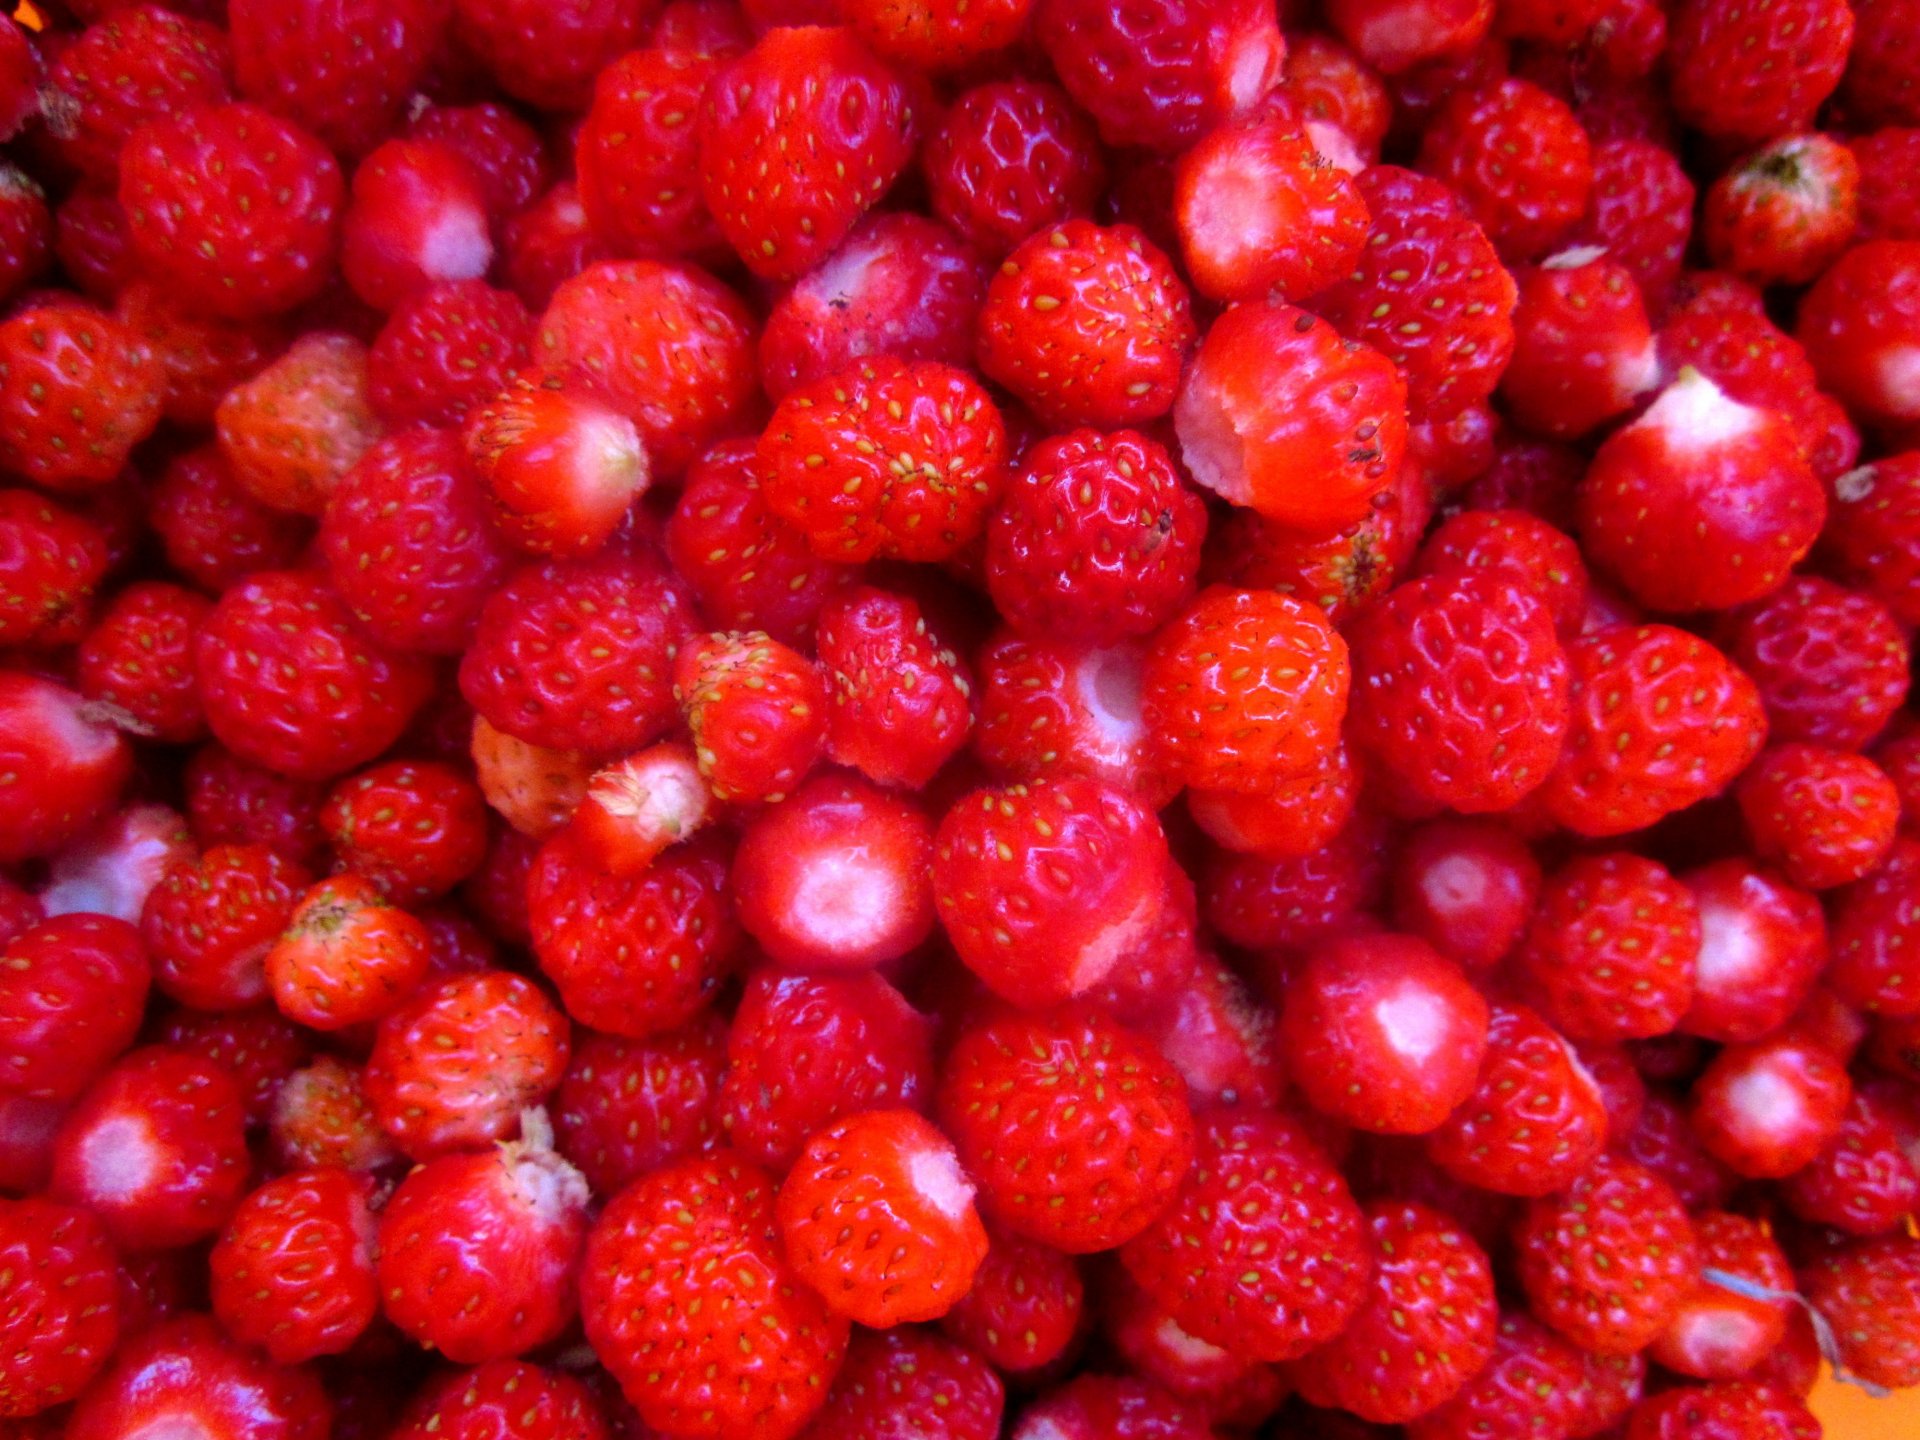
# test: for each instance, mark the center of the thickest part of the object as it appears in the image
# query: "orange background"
(1849, 1413)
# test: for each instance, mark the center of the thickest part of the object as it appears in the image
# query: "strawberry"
(1664, 1141)
(561, 468)
(454, 1066)
(51, 563)
(1830, 663)
(414, 829)
(138, 658)
(293, 1270)
(1428, 292)
(61, 1310)
(1857, 322)
(1641, 210)
(1784, 213)
(211, 919)
(347, 956)
(292, 431)
(61, 767)
(642, 805)
(1244, 689)
(1886, 161)
(1608, 1261)
(1228, 1388)
(1762, 946)
(20, 67)
(1660, 720)
(185, 1375)
(1261, 210)
(1518, 160)
(156, 1148)
(902, 701)
(1089, 325)
(476, 1251)
(259, 1048)
(909, 1384)
(1044, 889)
(546, 244)
(937, 34)
(343, 71)
(1426, 1326)
(139, 64)
(548, 56)
(1261, 902)
(232, 208)
(1024, 1308)
(78, 390)
(1882, 83)
(1736, 1410)
(1277, 1271)
(1719, 1332)
(1825, 817)
(1765, 1109)
(1520, 548)
(1583, 350)
(322, 1120)
(889, 458)
(804, 1051)
(1872, 932)
(1393, 36)
(1279, 414)
(688, 1302)
(813, 108)
(1466, 887)
(1162, 74)
(502, 1400)
(1751, 74)
(1299, 815)
(416, 217)
(26, 225)
(506, 154)
(1076, 1130)
(578, 654)
(1875, 508)
(632, 954)
(444, 351)
(1347, 1015)
(1333, 88)
(1532, 1372)
(230, 802)
(1862, 1181)
(534, 789)
(211, 530)
(1535, 1119)
(1093, 1407)
(1869, 1293)
(1609, 953)
(1010, 158)
(627, 1107)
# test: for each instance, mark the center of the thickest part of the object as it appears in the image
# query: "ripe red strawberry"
(906, 1384)
(548, 56)
(749, 569)
(812, 107)
(1466, 887)
(185, 1375)
(1261, 902)
(1394, 38)
(322, 1120)
(258, 1047)
(1263, 1250)
(627, 1107)
(502, 1400)
(416, 217)
(291, 432)
(342, 70)
(1882, 83)
(688, 1302)
(1092, 1406)
(1784, 213)
(1244, 689)
(210, 921)
(348, 956)
(51, 563)
(156, 1148)
(454, 1066)
(477, 1252)
(1533, 1373)
(1045, 889)
(547, 244)
(1825, 816)
(1334, 89)
(1735, 1410)
(1762, 946)
(508, 156)
(234, 209)
(1885, 160)
(1025, 1306)
(1869, 1293)
(1297, 817)
(902, 701)
(1857, 322)
(1873, 930)
(1875, 509)
(1518, 547)
(1608, 1261)
(1428, 292)
(293, 1270)
(1641, 210)
(1660, 720)
(20, 65)
(1162, 74)
(141, 63)
(1750, 75)
(887, 458)
(61, 768)
(1089, 325)
(805, 1051)
(633, 810)
(59, 1312)
(1767, 1108)
(1008, 158)
(561, 468)
(213, 532)
(78, 390)
(1831, 664)
(1076, 1130)
(1279, 414)
(1261, 210)
(1719, 1332)
(1518, 160)
(1863, 1181)
(289, 684)
(1426, 1326)
(1583, 350)
(444, 351)
(578, 654)
(1229, 1389)
(415, 829)
(138, 658)
(937, 34)
(26, 225)
(230, 802)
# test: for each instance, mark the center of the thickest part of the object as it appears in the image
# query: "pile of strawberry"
(939, 719)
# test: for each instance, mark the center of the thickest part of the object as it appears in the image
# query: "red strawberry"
(547, 244)
(902, 701)
(1025, 1306)
(1660, 720)
(1517, 547)
(1641, 210)
(906, 1384)
(1869, 1293)
(642, 805)
(1533, 1373)
(799, 137)
(293, 1270)
(415, 829)
(454, 1066)
(1831, 663)
(1244, 689)
(1161, 74)
(1762, 946)
(322, 1120)
(1009, 158)
(1752, 74)
(1784, 213)
(1426, 1326)
(444, 351)
(211, 530)
(416, 217)
(627, 1107)
(1721, 1332)
(343, 71)
(138, 658)
(1466, 887)
(26, 225)
(1096, 1407)
(1279, 414)
(502, 1400)
(1887, 195)
(230, 802)
(1583, 350)
(348, 956)
(259, 1048)
(1076, 1130)
(61, 1313)
(186, 1376)
(234, 209)
(1517, 158)
(139, 64)
(1737, 1410)
(688, 1302)
(1428, 292)
(294, 429)
(1825, 816)
(1261, 902)
(78, 390)
(1608, 1261)
(1088, 325)
(1872, 935)
(209, 923)
(477, 1251)
(1393, 37)
(1768, 1108)
(1230, 1389)
(937, 34)
(888, 458)
(51, 563)
(60, 766)
(1857, 322)
(1298, 816)
(1876, 508)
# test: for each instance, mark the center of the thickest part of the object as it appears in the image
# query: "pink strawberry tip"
(1694, 414)
(935, 1174)
(643, 805)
